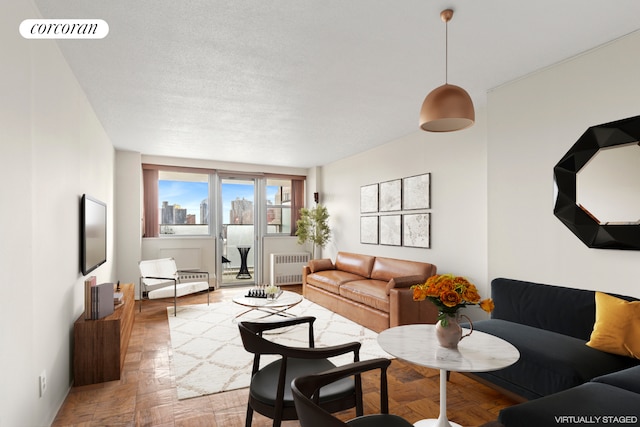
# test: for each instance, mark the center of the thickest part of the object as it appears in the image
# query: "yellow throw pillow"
(617, 327)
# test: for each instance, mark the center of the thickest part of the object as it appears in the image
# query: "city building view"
(180, 209)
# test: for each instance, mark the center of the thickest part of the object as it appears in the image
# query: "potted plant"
(313, 227)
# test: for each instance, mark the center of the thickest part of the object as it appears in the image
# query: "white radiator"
(286, 269)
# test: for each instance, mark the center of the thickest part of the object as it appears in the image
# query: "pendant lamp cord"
(446, 52)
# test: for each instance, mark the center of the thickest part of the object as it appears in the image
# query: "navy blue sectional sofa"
(550, 326)
(609, 400)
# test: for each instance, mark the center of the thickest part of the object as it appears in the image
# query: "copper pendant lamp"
(449, 107)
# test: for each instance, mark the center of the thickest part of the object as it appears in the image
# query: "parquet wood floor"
(146, 395)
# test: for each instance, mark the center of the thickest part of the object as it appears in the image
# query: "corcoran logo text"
(64, 29)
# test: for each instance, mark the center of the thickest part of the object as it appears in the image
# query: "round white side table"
(479, 352)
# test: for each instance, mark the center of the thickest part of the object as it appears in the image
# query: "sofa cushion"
(564, 310)
(403, 282)
(316, 265)
(549, 362)
(355, 263)
(628, 379)
(617, 326)
(368, 292)
(388, 268)
(330, 280)
(589, 400)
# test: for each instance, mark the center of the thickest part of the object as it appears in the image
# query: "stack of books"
(98, 299)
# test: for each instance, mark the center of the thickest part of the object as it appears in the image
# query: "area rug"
(207, 352)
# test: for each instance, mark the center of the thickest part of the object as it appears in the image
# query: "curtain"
(151, 224)
(297, 202)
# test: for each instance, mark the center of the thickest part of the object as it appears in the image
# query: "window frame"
(151, 183)
(151, 204)
(292, 207)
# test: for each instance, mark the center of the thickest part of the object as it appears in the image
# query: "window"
(184, 203)
(278, 206)
(284, 198)
(176, 202)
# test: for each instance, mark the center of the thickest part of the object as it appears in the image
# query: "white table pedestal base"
(435, 423)
(442, 420)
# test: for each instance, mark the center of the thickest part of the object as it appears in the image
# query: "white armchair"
(160, 278)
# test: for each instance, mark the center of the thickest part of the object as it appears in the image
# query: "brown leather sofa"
(372, 291)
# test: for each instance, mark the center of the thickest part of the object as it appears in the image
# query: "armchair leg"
(249, 416)
(359, 403)
(175, 299)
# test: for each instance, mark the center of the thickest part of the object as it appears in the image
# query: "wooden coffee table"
(271, 307)
(479, 352)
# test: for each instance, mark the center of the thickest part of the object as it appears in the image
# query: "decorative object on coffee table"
(450, 293)
(272, 291)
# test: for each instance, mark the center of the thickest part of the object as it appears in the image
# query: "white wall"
(457, 163)
(18, 389)
(128, 184)
(53, 150)
(533, 122)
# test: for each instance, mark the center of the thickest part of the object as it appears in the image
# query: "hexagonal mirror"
(597, 186)
(608, 186)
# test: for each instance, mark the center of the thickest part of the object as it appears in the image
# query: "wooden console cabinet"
(100, 346)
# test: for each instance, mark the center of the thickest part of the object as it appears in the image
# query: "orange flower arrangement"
(449, 293)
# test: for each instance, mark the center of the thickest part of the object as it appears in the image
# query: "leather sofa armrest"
(316, 265)
(404, 282)
(403, 310)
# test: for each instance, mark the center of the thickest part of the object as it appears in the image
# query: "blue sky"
(188, 195)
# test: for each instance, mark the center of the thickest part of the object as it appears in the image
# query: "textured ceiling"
(303, 83)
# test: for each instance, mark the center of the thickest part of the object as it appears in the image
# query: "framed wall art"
(369, 230)
(391, 195)
(369, 198)
(416, 230)
(416, 192)
(390, 230)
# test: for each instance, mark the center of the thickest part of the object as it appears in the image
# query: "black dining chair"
(270, 387)
(305, 390)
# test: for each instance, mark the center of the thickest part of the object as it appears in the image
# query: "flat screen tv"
(93, 234)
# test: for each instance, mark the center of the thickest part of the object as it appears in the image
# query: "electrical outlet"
(43, 383)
